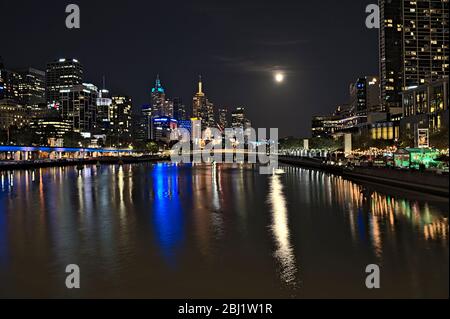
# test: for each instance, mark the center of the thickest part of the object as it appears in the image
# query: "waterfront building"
(78, 105)
(12, 114)
(50, 129)
(162, 129)
(62, 75)
(326, 126)
(414, 46)
(426, 106)
(120, 119)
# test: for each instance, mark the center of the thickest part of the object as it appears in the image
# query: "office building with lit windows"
(239, 119)
(414, 44)
(103, 104)
(426, 106)
(32, 88)
(78, 105)
(12, 114)
(162, 129)
(223, 118)
(391, 53)
(120, 119)
(9, 85)
(50, 128)
(62, 75)
(365, 95)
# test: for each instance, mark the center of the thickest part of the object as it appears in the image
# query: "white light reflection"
(280, 229)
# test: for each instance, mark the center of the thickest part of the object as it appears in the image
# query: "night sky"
(236, 45)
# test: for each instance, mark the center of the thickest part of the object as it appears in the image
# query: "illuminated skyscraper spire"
(200, 86)
(158, 87)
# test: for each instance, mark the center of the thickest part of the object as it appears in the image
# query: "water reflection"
(280, 229)
(167, 209)
(192, 229)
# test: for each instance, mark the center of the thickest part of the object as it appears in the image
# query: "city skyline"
(293, 43)
(200, 150)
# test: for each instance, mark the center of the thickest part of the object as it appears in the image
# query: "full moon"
(279, 77)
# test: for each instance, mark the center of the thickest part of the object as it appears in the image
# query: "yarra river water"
(165, 231)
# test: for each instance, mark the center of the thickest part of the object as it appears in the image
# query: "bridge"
(21, 153)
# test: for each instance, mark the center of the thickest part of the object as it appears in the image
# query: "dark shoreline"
(414, 181)
(90, 161)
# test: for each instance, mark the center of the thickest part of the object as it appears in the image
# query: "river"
(167, 231)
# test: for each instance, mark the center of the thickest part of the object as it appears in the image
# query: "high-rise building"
(160, 105)
(78, 105)
(162, 129)
(120, 119)
(365, 96)
(414, 46)
(391, 53)
(426, 41)
(238, 119)
(9, 85)
(146, 111)
(103, 103)
(179, 109)
(202, 108)
(139, 128)
(32, 88)
(223, 118)
(62, 74)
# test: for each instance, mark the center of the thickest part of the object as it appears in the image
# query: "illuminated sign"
(423, 138)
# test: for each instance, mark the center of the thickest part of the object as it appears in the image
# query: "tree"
(326, 143)
(73, 139)
(24, 136)
(440, 139)
(3, 137)
(152, 147)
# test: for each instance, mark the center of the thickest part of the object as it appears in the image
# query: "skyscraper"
(202, 108)
(179, 109)
(238, 118)
(160, 105)
(32, 87)
(391, 53)
(62, 75)
(365, 96)
(9, 84)
(426, 40)
(120, 118)
(223, 118)
(146, 111)
(104, 103)
(78, 105)
(413, 46)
